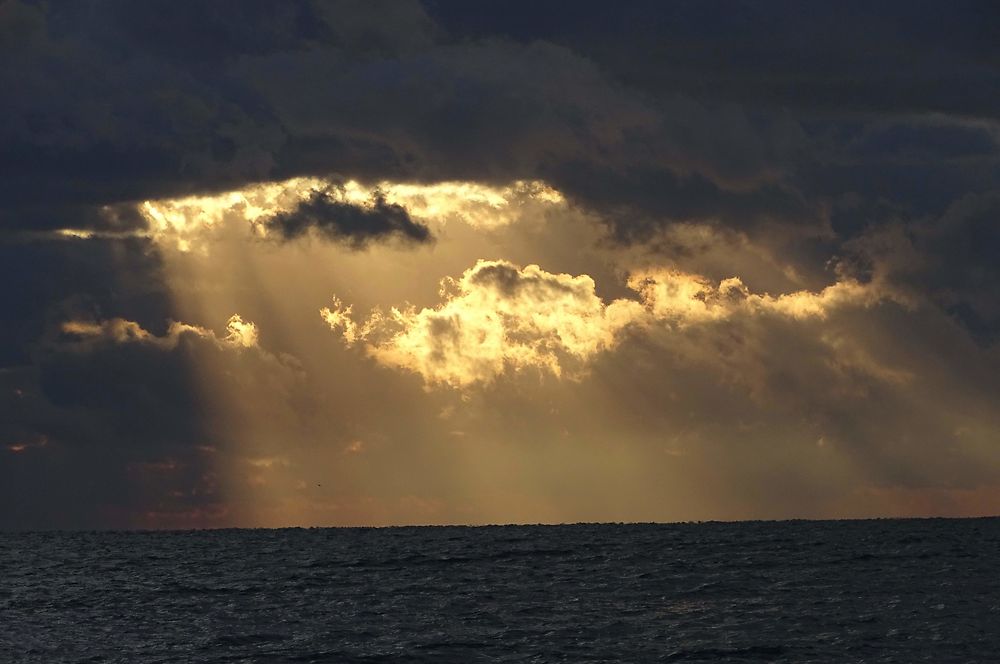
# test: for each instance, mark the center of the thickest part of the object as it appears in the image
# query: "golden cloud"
(498, 316)
(240, 333)
(686, 299)
(181, 221)
(495, 316)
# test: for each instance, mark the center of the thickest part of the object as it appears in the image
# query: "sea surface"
(837, 591)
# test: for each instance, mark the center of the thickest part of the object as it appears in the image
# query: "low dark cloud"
(95, 433)
(127, 422)
(949, 259)
(348, 223)
(46, 280)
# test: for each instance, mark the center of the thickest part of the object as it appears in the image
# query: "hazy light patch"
(181, 221)
(267, 463)
(23, 446)
(498, 316)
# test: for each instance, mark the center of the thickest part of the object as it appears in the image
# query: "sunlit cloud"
(473, 203)
(239, 333)
(686, 299)
(180, 222)
(498, 317)
(186, 223)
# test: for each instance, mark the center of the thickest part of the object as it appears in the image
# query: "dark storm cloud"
(108, 109)
(656, 113)
(855, 55)
(168, 96)
(117, 101)
(531, 111)
(350, 224)
(103, 108)
(894, 105)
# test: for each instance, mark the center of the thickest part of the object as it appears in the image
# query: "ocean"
(796, 591)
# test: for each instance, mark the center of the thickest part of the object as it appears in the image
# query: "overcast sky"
(371, 263)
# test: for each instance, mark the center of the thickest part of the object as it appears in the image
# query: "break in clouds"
(587, 261)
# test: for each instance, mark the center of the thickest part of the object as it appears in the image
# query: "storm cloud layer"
(757, 220)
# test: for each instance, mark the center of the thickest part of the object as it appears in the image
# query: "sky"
(311, 263)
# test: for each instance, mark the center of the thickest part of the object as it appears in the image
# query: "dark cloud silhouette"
(348, 223)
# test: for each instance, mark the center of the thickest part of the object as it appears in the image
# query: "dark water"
(875, 591)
